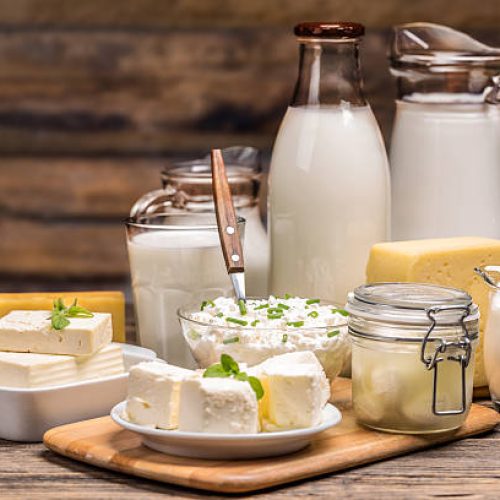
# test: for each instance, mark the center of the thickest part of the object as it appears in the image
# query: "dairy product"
(31, 331)
(218, 405)
(171, 268)
(112, 302)
(448, 262)
(492, 348)
(435, 147)
(295, 391)
(153, 394)
(30, 370)
(329, 200)
(267, 328)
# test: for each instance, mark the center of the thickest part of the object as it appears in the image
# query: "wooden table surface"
(469, 468)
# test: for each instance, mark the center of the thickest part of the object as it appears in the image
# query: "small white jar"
(412, 356)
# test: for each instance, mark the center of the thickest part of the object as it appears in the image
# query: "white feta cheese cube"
(31, 331)
(218, 405)
(153, 394)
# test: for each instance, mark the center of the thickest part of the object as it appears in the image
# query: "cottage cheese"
(262, 331)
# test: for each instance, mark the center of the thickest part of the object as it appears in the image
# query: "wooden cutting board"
(103, 443)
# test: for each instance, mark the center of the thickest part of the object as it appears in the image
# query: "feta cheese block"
(31, 331)
(219, 406)
(101, 301)
(31, 370)
(295, 391)
(448, 262)
(153, 394)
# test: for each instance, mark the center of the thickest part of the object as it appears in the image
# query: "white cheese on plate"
(218, 405)
(31, 331)
(153, 394)
(295, 391)
(31, 370)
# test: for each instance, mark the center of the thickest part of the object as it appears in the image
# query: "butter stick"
(112, 302)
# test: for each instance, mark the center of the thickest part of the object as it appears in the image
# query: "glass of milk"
(174, 259)
(445, 153)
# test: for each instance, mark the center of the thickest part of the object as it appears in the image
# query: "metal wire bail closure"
(432, 362)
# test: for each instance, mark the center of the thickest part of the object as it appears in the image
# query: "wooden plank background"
(96, 95)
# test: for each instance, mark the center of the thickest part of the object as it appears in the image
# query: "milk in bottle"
(329, 182)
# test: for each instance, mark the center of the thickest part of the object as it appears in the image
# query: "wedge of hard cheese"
(448, 262)
(102, 302)
(31, 331)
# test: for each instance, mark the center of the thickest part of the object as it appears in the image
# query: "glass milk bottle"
(187, 188)
(329, 181)
(445, 161)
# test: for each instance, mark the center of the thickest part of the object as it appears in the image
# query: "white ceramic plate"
(227, 446)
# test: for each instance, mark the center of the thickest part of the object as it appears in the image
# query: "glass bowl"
(252, 345)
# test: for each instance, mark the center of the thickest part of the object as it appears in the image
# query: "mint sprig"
(60, 313)
(228, 367)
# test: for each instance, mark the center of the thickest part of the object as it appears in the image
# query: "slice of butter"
(295, 391)
(31, 370)
(153, 394)
(218, 406)
(448, 262)
(31, 331)
(112, 302)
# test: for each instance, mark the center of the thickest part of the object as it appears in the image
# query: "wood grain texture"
(157, 13)
(102, 442)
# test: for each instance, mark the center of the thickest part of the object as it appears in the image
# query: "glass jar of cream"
(412, 356)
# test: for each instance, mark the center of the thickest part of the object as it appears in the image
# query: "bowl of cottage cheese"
(257, 329)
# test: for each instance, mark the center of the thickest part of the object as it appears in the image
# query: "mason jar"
(412, 356)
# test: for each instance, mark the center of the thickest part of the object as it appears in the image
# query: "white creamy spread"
(268, 327)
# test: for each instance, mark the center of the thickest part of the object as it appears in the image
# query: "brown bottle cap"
(337, 30)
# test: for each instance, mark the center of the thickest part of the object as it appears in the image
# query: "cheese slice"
(112, 302)
(31, 370)
(153, 394)
(447, 262)
(218, 405)
(31, 331)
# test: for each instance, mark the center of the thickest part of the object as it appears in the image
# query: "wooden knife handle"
(226, 216)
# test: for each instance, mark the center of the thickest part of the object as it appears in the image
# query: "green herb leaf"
(340, 311)
(75, 311)
(313, 314)
(312, 301)
(216, 371)
(59, 321)
(333, 334)
(256, 386)
(229, 364)
(242, 306)
(60, 313)
(231, 340)
(241, 376)
(284, 338)
(241, 322)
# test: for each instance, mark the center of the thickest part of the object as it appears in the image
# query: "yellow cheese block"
(101, 301)
(447, 262)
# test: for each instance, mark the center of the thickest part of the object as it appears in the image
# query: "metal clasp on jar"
(432, 362)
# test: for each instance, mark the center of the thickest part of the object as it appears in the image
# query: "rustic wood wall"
(96, 94)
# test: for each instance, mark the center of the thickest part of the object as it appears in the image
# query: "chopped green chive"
(262, 306)
(274, 310)
(241, 322)
(254, 323)
(206, 303)
(283, 306)
(296, 324)
(284, 338)
(231, 340)
(242, 306)
(219, 315)
(340, 311)
(314, 314)
(274, 316)
(287, 296)
(312, 301)
(333, 334)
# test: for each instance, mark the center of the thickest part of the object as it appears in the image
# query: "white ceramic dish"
(28, 413)
(230, 446)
